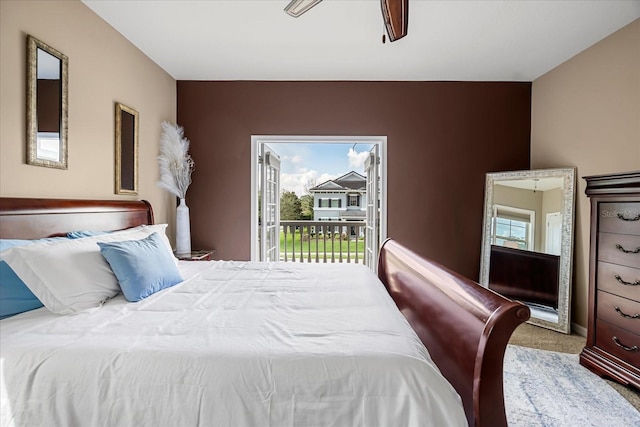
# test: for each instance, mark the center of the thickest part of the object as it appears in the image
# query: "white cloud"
(296, 159)
(298, 181)
(357, 159)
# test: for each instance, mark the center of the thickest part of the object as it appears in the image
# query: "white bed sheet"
(235, 344)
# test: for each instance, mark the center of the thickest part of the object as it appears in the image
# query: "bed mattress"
(235, 344)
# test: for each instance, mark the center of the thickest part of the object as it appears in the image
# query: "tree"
(290, 208)
(311, 182)
(307, 200)
(306, 203)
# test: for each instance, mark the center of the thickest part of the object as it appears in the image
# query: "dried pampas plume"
(174, 160)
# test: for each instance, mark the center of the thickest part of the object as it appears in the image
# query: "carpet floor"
(550, 389)
(539, 338)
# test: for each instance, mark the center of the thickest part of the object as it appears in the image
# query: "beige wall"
(586, 113)
(103, 68)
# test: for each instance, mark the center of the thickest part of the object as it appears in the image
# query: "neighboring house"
(341, 199)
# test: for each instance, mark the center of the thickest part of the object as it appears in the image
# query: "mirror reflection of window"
(49, 101)
(48, 145)
(511, 233)
(513, 228)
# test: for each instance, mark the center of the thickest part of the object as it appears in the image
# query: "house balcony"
(322, 241)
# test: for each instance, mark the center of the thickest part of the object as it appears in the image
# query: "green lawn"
(329, 244)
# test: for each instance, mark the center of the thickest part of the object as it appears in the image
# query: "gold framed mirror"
(126, 150)
(47, 89)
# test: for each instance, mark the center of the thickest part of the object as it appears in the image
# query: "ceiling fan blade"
(396, 18)
(296, 8)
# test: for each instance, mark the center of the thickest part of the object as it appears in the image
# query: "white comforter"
(236, 344)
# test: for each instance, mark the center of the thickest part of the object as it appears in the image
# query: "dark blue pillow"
(142, 267)
(15, 297)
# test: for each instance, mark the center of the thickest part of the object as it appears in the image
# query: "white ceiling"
(539, 184)
(500, 40)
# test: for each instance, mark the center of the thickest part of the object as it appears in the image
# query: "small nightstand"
(199, 255)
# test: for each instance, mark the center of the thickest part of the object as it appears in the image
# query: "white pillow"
(70, 276)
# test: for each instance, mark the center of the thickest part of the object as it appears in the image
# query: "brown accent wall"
(442, 137)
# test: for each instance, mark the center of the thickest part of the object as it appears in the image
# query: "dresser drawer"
(618, 342)
(623, 249)
(619, 311)
(619, 280)
(622, 217)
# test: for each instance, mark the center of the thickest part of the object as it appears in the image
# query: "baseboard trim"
(579, 330)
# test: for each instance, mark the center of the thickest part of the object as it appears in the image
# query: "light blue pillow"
(142, 267)
(15, 297)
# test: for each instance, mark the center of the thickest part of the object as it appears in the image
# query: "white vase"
(183, 229)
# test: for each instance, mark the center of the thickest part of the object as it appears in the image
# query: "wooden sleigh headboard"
(465, 327)
(24, 218)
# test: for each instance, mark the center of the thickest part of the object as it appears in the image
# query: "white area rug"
(545, 388)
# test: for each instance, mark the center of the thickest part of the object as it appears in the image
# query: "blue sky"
(304, 163)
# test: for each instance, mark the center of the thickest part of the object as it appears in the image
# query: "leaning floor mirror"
(527, 241)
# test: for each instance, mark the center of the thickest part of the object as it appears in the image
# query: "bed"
(456, 380)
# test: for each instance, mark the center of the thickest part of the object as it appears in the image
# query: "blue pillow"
(142, 267)
(15, 297)
(84, 233)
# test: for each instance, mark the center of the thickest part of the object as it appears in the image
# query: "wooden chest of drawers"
(613, 336)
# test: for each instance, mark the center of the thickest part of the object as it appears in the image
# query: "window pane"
(518, 232)
(502, 229)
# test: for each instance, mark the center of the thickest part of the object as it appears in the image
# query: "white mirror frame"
(566, 250)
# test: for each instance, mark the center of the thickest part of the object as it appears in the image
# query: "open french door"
(269, 224)
(372, 232)
(265, 192)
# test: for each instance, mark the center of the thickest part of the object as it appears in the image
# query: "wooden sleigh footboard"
(465, 327)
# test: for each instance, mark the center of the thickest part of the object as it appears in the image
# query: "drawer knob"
(628, 251)
(624, 347)
(622, 217)
(622, 281)
(628, 316)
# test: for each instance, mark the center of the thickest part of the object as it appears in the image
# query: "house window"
(329, 203)
(354, 200)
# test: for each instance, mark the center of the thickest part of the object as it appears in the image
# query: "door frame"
(256, 140)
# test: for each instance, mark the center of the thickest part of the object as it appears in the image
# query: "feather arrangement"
(174, 160)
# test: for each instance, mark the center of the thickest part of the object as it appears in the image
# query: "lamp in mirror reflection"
(296, 8)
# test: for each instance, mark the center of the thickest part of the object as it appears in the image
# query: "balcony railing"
(322, 241)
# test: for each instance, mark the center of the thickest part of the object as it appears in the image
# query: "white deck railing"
(323, 241)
